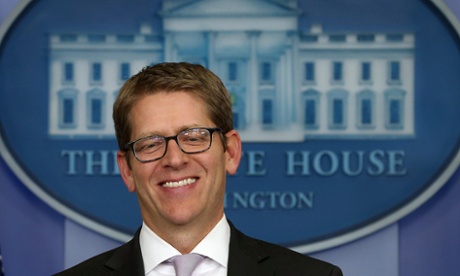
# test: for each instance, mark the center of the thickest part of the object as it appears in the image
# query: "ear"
(126, 171)
(233, 151)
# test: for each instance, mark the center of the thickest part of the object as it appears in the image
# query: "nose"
(174, 156)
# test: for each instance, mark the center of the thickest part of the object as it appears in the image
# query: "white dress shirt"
(215, 247)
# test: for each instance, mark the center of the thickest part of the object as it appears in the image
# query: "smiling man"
(175, 133)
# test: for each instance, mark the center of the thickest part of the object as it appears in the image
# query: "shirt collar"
(154, 249)
(214, 246)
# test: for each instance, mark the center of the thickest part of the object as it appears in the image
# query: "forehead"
(168, 112)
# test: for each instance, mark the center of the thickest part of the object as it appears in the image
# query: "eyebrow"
(153, 133)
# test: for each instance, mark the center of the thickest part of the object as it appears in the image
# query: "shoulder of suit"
(92, 266)
(286, 260)
(107, 261)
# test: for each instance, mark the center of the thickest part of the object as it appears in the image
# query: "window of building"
(153, 38)
(68, 72)
(234, 99)
(366, 106)
(237, 124)
(366, 112)
(96, 38)
(310, 71)
(238, 107)
(67, 108)
(232, 71)
(96, 72)
(310, 112)
(394, 37)
(236, 120)
(394, 109)
(337, 112)
(96, 111)
(337, 38)
(309, 38)
(337, 71)
(95, 107)
(394, 72)
(394, 112)
(67, 38)
(366, 72)
(125, 71)
(125, 38)
(365, 38)
(266, 72)
(267, 112)
(338, 100)
(311, 109)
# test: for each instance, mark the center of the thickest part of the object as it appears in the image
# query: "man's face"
(201, 200)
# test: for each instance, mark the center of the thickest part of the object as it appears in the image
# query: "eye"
(195, 136)
(149, 145)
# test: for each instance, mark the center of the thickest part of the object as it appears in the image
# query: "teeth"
(180, 183)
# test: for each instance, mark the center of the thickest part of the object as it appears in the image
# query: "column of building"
(253, 109)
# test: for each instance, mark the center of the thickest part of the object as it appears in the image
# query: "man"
(174, 127)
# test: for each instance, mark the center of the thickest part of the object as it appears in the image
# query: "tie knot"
(185, 264)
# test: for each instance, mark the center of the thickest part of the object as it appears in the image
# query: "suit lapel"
(246, 256)
(127, 260)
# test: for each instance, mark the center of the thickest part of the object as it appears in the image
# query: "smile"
(181, 183)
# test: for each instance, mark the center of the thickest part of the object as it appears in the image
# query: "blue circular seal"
(347, 113)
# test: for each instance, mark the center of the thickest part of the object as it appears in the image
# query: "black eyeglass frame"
(211, 131)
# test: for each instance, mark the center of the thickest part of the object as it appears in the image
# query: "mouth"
(180, 183)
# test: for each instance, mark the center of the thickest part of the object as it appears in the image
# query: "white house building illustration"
(286, 83)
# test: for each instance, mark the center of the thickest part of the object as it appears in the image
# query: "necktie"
(185, 264)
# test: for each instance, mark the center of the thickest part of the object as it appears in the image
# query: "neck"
(186, 237)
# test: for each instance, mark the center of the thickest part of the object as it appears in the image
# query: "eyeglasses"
(192, 140)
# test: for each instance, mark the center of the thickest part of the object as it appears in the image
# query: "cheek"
(220, 173)
(143, 174)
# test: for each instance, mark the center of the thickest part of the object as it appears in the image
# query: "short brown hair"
(172, 77)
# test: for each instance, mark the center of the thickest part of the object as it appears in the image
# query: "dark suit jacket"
(247, 256)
